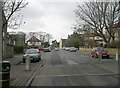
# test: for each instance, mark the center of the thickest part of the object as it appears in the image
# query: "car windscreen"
(100, 49)
(31, 52)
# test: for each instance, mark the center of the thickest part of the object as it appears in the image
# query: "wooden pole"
(1, 22)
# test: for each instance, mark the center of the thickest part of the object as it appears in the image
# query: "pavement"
(109, 65)
(21, 77)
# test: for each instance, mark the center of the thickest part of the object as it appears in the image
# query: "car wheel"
(92, 56)
(40, 58)
(96, 55)
(108, 57)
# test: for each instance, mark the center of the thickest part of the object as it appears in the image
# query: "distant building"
(54, 44)
(33, 41)
(91, 39)
(62, 43)
(42, 36)
(18, 38)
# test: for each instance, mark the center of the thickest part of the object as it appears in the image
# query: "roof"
(90, 34)
(117, 25)
(33, 39)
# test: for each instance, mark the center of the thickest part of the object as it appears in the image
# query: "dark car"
(34, 55)
(99, 51)
(47, 50)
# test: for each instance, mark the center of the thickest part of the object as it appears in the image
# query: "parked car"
(63, 48)
(34, 55)
(56, 49)
(67, 48)
(98, 50)
(41, 49)
(73, 49)
(47, 50)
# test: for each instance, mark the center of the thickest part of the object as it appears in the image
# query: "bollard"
(28, 65)
(116, 55)
(5, 74)
(100, 57)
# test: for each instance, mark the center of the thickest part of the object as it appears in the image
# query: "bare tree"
(101, 16)
(10, 7)
(10, 18)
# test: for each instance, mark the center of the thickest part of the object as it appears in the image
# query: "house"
(18, 38)
(89, 35)
(33, 41)
(91, 39)
(62, 43)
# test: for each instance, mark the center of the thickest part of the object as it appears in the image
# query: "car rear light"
(97, 52)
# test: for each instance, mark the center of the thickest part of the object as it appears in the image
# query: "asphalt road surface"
(64, 68)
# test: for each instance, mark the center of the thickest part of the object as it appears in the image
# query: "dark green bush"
(18, 49)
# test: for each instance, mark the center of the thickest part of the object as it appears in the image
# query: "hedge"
(18, 49)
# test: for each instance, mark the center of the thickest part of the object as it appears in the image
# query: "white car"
(67, 48)
(64, 48)
(56, 49)
(73, 49)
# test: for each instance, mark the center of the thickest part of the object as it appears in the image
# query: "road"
(64, 68)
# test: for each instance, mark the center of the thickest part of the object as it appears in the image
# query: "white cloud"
(51, 17)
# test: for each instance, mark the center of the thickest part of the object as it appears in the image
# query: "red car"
(98, 50)
(41, 49)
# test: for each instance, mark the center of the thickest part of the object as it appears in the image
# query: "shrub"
(18, 49)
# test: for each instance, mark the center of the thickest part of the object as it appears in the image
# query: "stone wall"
(10, 51)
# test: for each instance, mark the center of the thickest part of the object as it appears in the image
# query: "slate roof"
(33, 39)
(117, 25)
(90, 34)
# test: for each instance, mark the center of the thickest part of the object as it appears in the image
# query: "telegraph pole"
(1, 22)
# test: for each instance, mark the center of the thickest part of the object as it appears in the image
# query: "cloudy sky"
(55, 17)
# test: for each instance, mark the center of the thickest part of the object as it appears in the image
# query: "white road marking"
(107, 74)
(71, 62)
